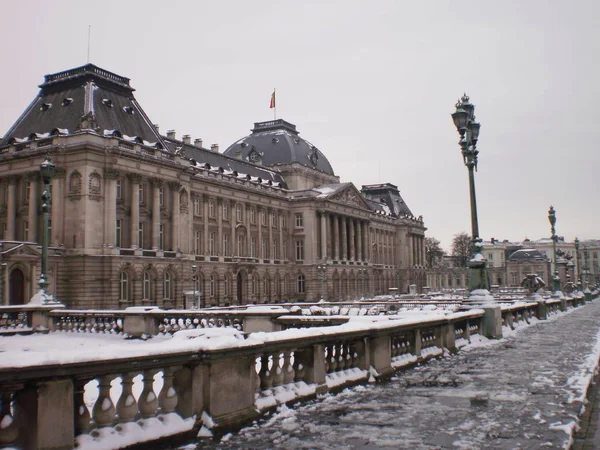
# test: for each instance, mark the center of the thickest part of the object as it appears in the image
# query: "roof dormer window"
(45, 106)
(107, 102)
(128, 109)
(67, 101)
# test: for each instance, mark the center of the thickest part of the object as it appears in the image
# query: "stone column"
(11, 209)
(32, 217)
(247, 207)
(270, 215)
(219, 242)
(205, 199)
(156, 185)
(233, 222)
(367, 237)
(175, 215)
(260, 237)
(135, 180)
(323, 235)
(57, 206)
(359, 241)
(352, 237)
(279, 218)
(336, 236)
(110, 206)
(344, 234)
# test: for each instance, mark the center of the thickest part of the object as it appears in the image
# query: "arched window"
(212, 286)
(146, 286)
(253, 284)
(124, 287)
(227, 285)
(300, 284)
(167, 286)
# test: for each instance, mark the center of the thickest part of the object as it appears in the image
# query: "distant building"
(141, 218)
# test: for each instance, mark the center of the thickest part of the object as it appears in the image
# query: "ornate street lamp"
(468, 129)
(195, 303)
(586, 269)
(555, 276)
(322, 270)
(47, 169)
(578, 276)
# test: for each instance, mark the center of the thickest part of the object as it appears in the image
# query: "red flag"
(272, 100)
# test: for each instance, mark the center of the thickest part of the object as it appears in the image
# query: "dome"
(526, 254)
(277, 142)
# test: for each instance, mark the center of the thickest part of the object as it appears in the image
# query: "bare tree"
(433, 252)
(461, 249)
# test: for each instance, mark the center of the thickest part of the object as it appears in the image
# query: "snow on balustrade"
(88, 321)
(176, 321)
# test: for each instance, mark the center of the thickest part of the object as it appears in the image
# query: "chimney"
(198, 142)
(214, 148)
(155, 125)
(186, 139)
(170, 134)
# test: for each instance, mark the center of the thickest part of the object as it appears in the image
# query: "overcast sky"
(371, 84)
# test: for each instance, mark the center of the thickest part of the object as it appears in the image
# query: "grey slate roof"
(527, 254)
(277, 142)
(66, 97)
(389, 195)
(204, 156)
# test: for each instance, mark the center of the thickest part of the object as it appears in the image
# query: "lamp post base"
(478, 275)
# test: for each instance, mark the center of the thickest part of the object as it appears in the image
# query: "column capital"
(135, 177)
(111, 173)
(33, 176)
(174, 185)
(156, 182)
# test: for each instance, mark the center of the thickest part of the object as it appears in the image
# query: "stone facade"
(149, 221)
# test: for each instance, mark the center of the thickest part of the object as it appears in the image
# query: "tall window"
(225, 210)
(141, 234)
(141, 193)
(119, 232)
(161, 236)
(283, 221)
(263, 218)
(240, 245)
(211, 208)
(274, 254)
(284, 250)
(238, 212)
(25, 230)
(146, 285)
(300, 284)
(211, 244)
(225, 244)
(124, 287)
(299, 220)
(161, 197)
(197, 241)
(252, 215)
(212, 286)
(196, 203)
(27, 191)
(118, 189)
(227, 285)
(299, 250)
(274, 219)
(264, 249)
(253, 247)
(167, 286)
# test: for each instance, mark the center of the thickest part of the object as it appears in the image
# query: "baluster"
(288, 369)
(104, 409)
(256, 377)
(277, 370)
(266, 377)
(127, 406)
(347, 356)
(354, 354)
(148, 402)
(81, 413)
(9, 431)
(331, 358)
(167, 399)
(341, 356)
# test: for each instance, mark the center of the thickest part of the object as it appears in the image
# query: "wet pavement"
(521, 392)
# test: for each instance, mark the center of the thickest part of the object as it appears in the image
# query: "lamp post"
(578, 275)
(586, 269)
(47, 169)
(322, 270)
(555, 276)
(468, 129)
(195, 286)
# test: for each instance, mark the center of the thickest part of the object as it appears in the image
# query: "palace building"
(139, 218)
